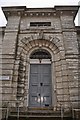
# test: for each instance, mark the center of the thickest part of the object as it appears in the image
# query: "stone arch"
(40, 36)
(39, 43)
(58, 58)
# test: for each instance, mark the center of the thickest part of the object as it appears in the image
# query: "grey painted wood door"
(40, 85)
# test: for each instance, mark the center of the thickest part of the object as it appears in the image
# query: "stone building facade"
(40, 58)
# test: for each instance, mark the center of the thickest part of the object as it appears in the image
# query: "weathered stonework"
(61, 40)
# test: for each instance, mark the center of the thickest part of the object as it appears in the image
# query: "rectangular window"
(39, 24)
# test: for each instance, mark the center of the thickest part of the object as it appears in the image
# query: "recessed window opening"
(35, 24)
(40, 54)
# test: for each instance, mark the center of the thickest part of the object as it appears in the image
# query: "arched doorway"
(40, 83)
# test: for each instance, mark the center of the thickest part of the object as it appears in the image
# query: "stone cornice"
(43, 12)
(68, 10)
(13, 10)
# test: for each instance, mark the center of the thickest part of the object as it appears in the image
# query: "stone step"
(48, 113)
(41, 118)
(39, 113)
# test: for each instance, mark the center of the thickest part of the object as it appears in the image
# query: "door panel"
(46, 78)
(40, 85)
(34, 78)
(33, 101)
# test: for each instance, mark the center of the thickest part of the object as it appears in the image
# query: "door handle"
(39, 94)
(41, 84)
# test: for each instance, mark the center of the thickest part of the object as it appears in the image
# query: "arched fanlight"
(40, 54)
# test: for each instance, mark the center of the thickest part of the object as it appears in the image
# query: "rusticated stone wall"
(9, 55)
(78, 39)
(0, 72)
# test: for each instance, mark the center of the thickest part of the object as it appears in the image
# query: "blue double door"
(40, 86)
